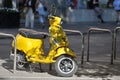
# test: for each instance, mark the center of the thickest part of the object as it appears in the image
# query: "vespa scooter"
(30, 48)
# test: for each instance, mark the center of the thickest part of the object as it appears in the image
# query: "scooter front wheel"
(65, 66)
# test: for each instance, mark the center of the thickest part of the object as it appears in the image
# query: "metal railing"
(12, 36)
(82, 41)
(115, 37)
(102, 30)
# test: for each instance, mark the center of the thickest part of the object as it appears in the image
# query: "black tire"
(21, 61)
(21, 65)
(65, 66)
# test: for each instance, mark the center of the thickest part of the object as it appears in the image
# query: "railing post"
(10, 35)
(82, 41)
(103, 30)
(115, 37)
(88, 45)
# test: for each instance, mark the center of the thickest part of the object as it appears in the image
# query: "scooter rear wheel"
(65, 66)
(21, 62)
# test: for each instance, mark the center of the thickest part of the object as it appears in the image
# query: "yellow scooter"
(30, 48)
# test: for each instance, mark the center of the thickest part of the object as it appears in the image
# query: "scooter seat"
(29, 33)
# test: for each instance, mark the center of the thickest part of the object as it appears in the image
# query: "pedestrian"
(29, 13)
(64, 6)
(75, 2)
(42, 12)
(116, 5)
(97, 9)
(110, 3)
(81, 4)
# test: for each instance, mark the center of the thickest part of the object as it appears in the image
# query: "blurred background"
(69, 10)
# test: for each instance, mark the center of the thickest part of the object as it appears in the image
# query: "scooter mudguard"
(65, 51)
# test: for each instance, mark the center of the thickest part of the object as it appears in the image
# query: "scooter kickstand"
(40, 67)
(30, 67)
(50, 67)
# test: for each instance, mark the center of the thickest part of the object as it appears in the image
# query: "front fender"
(66, 51)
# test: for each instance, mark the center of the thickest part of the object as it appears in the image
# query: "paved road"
(98, 68)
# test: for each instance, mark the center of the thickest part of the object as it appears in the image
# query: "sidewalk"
(6, 73)
(85, 73)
